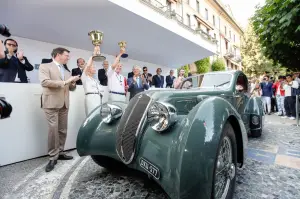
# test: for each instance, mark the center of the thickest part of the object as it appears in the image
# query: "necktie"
(62, 72)
(138, 82)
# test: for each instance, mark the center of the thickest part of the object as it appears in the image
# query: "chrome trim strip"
(141, 125)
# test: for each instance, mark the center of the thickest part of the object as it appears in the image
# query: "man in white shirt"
(290, 99)
(117, 85)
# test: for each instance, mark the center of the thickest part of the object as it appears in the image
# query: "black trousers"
(290, 106)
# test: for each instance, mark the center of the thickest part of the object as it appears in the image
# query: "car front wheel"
(225, 165)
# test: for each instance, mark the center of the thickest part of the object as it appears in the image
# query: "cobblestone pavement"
(272, 171)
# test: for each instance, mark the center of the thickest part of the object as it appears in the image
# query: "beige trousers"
(57, 134)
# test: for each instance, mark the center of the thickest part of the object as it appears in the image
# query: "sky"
(243, 9)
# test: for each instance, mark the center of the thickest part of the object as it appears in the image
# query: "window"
(226, 45)
(188, 2)
(199, 25)
(225, 31)
(215, 36)
(241, 81)
(234, 51)
(206, 14)
(198, 6)
(234, 38)
(188, 20)
(214, 20)
(207, 31)
(230, 34)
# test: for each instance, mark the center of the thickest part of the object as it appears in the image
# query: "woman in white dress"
(92, 88)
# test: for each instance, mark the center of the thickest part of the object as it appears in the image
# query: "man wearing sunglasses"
(14, 65)
(147, 76)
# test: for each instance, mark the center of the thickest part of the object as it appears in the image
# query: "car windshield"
(217, 80)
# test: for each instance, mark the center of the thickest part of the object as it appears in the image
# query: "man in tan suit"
(56, 81)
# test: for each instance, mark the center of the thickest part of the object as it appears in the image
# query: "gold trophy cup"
(97, 38)
(122, 45)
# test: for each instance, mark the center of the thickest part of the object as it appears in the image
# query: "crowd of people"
(278, 96)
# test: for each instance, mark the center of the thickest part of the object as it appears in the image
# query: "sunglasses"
(13, 45)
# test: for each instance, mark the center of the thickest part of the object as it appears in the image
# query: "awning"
(151, 37)
(204, 22)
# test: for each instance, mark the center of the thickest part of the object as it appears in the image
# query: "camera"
(4, 31)
(5, 109)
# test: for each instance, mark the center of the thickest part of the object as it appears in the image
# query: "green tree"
(218, 65)
(278, 29)
(203, 65)
(254, 61)
(186, 69)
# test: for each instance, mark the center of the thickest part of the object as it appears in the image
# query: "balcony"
(237, 58)
(229, 53)
(154, 33)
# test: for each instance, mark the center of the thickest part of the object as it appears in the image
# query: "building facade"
(212, 18)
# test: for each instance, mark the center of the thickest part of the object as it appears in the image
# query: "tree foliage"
(218, 65)
(203, 65)
(254, 61)
(278, 29)
(186, 69)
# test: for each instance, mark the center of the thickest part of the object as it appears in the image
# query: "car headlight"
(109, 112)
(161, 115)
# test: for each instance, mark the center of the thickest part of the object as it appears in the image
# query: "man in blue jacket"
(267, 92)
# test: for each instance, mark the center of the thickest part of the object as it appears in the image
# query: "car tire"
(107, 162)
(229, 170)
(256, 133)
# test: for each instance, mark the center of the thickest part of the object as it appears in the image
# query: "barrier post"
(297, 109)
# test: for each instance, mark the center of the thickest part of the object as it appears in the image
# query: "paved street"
(272, 171)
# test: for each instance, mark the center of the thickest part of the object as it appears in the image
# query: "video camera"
(4, 31)
(5, 108)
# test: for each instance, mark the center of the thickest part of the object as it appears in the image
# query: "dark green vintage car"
(189, 140)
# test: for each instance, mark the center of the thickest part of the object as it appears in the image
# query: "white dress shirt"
(116, 82)
(90, 84)
(288, 88)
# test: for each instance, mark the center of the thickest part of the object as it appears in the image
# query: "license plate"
(150, 168)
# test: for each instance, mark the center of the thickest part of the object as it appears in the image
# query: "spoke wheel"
(225, 166)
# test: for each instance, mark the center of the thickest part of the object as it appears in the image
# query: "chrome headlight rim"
(163, 116)
(110, 112)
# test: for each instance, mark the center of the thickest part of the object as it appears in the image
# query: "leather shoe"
(65, 157)
(50, 165)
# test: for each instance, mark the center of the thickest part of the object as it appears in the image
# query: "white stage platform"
(24, 135)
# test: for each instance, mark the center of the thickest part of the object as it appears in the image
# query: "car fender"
(198, 146)
(96, 137)
(255, 107)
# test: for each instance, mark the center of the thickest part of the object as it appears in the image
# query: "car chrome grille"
(128, 127)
